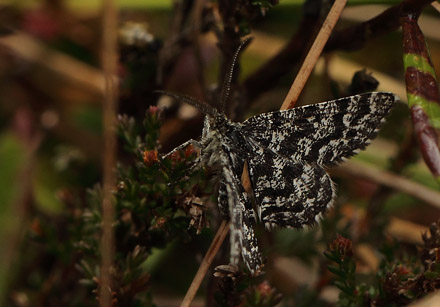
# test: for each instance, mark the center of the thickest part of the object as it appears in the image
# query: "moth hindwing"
(286, 153)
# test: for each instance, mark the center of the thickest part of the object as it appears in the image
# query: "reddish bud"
(437, 254)
(150, 157)
(342, 246)
(153, 110)
(36, 227)
(265, 289)
(401, 270)
(160, 222)
(190, 150)
(175, 157)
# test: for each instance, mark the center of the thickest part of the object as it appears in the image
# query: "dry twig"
(391, 180)
(436, 5)
(63, 66)
(206, 262)
(197, 21)
(109, 64)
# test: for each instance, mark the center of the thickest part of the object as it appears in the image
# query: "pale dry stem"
(206, 262)
(109, 65)
(391, 180)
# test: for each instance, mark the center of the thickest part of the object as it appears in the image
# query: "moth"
(285, 154)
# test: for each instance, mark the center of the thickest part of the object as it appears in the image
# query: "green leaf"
(431, 275)
(12, 164)
(337, 271)
(343, 287)
(331, 256)
(45, 185)
(431, 108)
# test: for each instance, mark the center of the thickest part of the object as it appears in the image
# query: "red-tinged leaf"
(422, 91)
(428, 139)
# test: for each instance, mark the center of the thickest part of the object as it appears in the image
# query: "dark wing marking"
(222, 200)
(322, 133)
(288, 193)
(242, 234)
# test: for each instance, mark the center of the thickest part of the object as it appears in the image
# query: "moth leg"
(196, 164)
(182, 146)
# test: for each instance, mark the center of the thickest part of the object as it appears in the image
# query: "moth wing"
(222, 199)
(322, 133)
(288, 193)
(242, 234)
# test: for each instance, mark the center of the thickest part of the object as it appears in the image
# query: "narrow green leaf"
(337, 271)
(417, 61)
(431, 108)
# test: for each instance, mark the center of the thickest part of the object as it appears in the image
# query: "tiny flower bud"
(265, 289)
(342, 246)
(190, 150)
(150, 157)
(153, 110)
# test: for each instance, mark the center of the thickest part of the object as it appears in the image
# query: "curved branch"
(351, 38)
(355, 37)
(391, 180)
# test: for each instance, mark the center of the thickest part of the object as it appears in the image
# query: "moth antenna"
(226, 88)
(199, 105)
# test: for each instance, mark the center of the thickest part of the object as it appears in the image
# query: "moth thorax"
(212, 153)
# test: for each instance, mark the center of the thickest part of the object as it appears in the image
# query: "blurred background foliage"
(51, 151)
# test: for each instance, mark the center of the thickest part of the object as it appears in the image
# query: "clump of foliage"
(156, 204)
(239, 289)
(399, 280)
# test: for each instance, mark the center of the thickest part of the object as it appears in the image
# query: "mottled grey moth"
(285, 153)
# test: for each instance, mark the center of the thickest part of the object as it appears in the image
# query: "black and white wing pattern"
(286, 152)
(288, 193)
(323, 133)
(242, 236)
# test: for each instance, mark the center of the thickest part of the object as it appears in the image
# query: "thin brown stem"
(355, 37)
(436, 5)
(197, 24)
(391, 180)
(109, 65)
(60, 66)
(206, 262)
(313, 55)
(406, 155)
